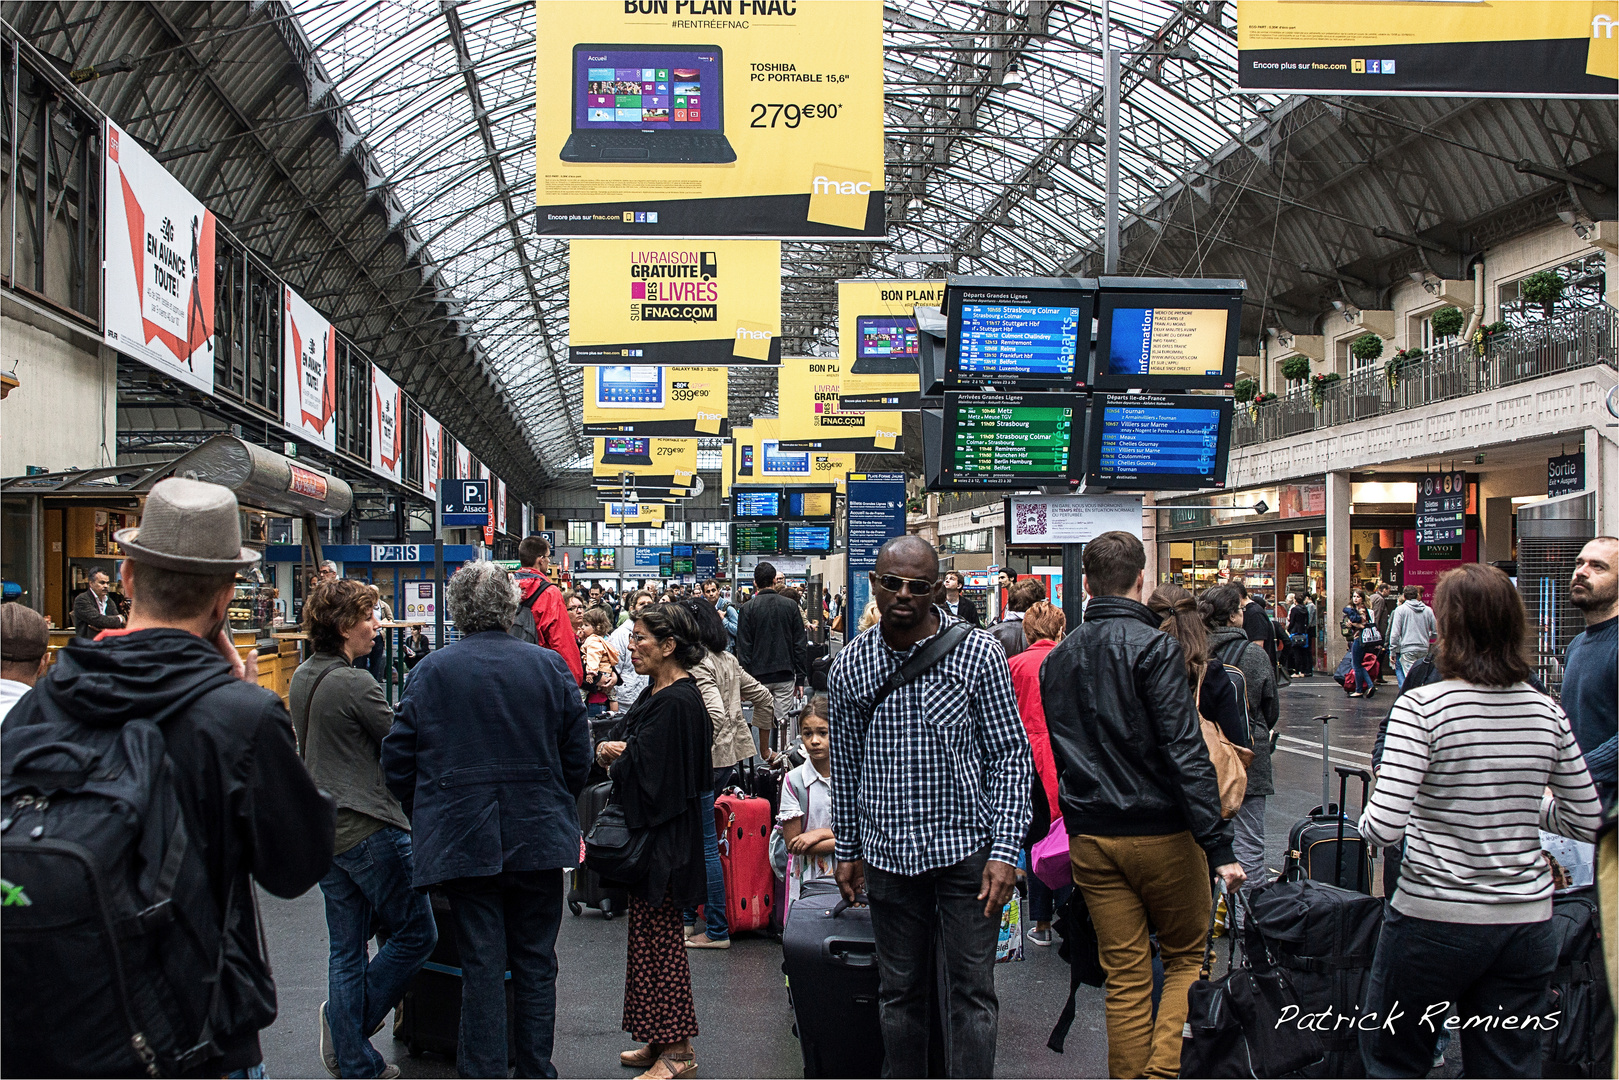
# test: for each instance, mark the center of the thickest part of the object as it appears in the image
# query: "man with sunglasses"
(931, 781)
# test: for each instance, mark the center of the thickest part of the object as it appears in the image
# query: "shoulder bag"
(613, 849)
(1230, 760)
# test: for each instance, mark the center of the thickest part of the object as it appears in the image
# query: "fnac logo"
(825, 186)
(1603, 25)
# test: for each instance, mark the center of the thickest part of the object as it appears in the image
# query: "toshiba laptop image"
(621, 450)
(885, 345)
(647, 103)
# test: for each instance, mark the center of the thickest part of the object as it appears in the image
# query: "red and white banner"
(308, 372)
(489, 525)
(432, 455)
(463, 462)
(500, 505)
(387, 426)
(158, 254)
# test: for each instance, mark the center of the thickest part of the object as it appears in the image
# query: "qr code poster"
(1072, 519)
(1031, 519)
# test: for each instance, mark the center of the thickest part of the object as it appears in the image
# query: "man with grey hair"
(487, 755)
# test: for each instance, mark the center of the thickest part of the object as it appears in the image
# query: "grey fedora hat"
(191, 527)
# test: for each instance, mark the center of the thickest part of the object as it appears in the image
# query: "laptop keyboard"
(660, 147)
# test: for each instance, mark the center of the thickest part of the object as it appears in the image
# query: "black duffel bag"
(1239, 1025)
(614, 850)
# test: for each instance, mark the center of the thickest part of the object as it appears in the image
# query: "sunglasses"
(894, 583)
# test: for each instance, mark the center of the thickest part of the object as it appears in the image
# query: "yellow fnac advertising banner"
(638, 513)
(1499, 48)
(878, 341)
(709, 118)
(671, 460)
(811, 420)
(668, 302)
(768, 463)
(643, 400)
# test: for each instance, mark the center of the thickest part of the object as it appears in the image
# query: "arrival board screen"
(809, 504)
(809, 539)
(756, 538)
(1011, 440)
(756, 504)
(1157, 441)
(1166, 340)
(1017, 338)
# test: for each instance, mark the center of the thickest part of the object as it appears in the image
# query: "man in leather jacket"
(1140, 801)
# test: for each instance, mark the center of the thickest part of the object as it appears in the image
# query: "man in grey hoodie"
(1411, 629)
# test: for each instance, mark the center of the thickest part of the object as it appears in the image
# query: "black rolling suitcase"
(585, 888)
(1324, 937)
(1326, 844)
(1582, 1042)
(428, 1018)
(829, 955)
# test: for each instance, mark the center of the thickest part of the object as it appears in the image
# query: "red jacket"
(1026, 685)
(551, 621)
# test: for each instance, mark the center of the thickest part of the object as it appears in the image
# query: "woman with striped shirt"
(1473, 767)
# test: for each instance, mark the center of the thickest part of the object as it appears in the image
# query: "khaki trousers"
(1128, 881)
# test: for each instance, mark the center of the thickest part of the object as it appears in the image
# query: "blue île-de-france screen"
(662, 90)
(758, 504)
(1137, 440)
(1012, 339)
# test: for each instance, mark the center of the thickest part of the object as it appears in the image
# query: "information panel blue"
(876, 509)
(1162, 440)
(757, 504)
(1011, 340)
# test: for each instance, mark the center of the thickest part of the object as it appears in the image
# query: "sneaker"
(328, 1050)
(1356, 693)
(1439, 1059)
(1040, 937)
(389, 1072)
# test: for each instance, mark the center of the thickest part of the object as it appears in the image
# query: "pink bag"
(1049, 858)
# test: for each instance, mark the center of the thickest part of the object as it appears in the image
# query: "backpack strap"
(309, 702)
(921, 661)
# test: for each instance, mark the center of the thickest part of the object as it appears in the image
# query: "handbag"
(1241, 1025)
(1230, 761)
(1049, 859)
(614, 850)
(1298, 641)
(1014, 929)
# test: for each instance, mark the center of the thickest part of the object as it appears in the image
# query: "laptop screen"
(625, 447)
(886, 336)
(646, 89)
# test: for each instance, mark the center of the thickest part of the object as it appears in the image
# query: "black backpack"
(112, 945)
(524, 627)
(1582, 1042)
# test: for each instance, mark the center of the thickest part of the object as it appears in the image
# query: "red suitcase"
(742, 825)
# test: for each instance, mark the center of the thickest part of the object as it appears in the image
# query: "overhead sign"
(432, 455)
(500, 504)
(763, 460)
(710, 118)
(636, 513)
(1158, 441)
(1026, 439)
(1441, 515)
(636, 399)
(879, 341)
(1565, 475)
(465, 502)
(674, 302)
(387, 426)
(308, 372)
(809, 388)
(1070, 519)
(1525, 48)
(672, 461)
(876, 514)
(158, 250)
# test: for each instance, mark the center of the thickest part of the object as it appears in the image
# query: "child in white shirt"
(806, 804)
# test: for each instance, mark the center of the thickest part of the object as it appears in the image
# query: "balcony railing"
(1571, 340)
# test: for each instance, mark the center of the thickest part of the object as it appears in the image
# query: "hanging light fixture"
(1012, 79)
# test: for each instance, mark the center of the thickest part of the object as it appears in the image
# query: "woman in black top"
(1216, 695)
(659, 772)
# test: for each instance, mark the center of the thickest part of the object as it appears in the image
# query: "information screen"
(1017, 338)
(809, 539)
(683, 564)
(755, 504)
(1181, 340)
(1159, 441)
(809, 504)
(1011, 439)
(757, 538)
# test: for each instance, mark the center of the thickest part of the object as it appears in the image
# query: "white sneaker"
(328, 1051)
(389, 1072)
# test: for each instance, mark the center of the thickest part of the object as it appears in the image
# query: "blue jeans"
(593, 709)
(507, 921)
(1043, 901)
(714, 906)
(372, 878)
(1357, 653)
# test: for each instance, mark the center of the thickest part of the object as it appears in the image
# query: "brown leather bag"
(1230, 760)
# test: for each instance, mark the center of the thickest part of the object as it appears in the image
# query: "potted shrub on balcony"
(1264, 398)
(1245, 389)
(1447, 322)
(1543, 287)
(1366, 348)
(1319, 384)
(1296, 368)
(1395, 366)
(1485, 335)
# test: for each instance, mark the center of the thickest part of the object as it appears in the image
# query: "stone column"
(1339, 579)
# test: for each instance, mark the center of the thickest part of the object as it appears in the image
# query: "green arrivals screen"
(756, 538)
(1017, 439)
(684, 565)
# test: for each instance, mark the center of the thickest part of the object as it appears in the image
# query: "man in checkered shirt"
(930, 803)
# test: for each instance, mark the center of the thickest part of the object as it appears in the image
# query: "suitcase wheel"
(576, 907)
(607, 910)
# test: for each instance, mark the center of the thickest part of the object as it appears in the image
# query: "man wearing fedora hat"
(257, 812)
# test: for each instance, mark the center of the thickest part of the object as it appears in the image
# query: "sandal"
(676, 1068)
(643, 1058)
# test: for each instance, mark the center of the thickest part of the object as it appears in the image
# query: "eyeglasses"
(894, 583)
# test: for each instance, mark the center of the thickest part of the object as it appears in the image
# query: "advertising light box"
(1017, 333)
(1166, 335)
(756, 538)
(1158, 442)
(1011, 440)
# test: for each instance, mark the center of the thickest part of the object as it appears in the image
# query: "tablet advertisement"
(638, 399)
(710, 118)
(674, 302)
(671, 461)
(812, 420)
(158, 254)
(1525, 48)
(763, 460)
(618, 513)
(877, 337)
(387, 426)
(308, 372)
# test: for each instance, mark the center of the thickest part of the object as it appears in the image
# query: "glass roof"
(994, 157)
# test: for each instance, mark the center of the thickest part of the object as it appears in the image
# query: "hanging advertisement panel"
(432, 455)
(387, 426)
(768, 462)
(674, 402)
(463, 463)
(1525, 48)
(636, 513)
(655, 119)
(158, 265)
(879, 342)
(308, 372)
(666, 302)
(673, 461)
(500, 504)
(812, 420)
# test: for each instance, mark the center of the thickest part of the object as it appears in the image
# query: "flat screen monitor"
(1017, 338)
(809, 539)
(1158, 441)
(756, 538)
(810, 504)
(783, 463)
(1011, 440)
(755, 505)
(681, 551)
(683, 564)
(666, 565)
(1166, 339)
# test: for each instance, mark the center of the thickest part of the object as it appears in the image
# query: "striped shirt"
(941, 768)
(1464, 781)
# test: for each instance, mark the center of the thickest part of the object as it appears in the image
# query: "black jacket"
(87, 618)
(1256, 621)
(770, 641)
(241, 782)
(1125, 733)
(966, 611)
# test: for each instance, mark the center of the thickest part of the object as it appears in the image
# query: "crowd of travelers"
(919, 784)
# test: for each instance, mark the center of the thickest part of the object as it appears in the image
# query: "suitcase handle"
(844, 905)
(849, 952)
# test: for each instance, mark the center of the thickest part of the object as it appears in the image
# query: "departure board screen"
(809, 504)
(809, 539)
(1011, 439)
(1017, 338)
(1169, 340)
(755, 504)
(756, 538)
(1158, 441)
